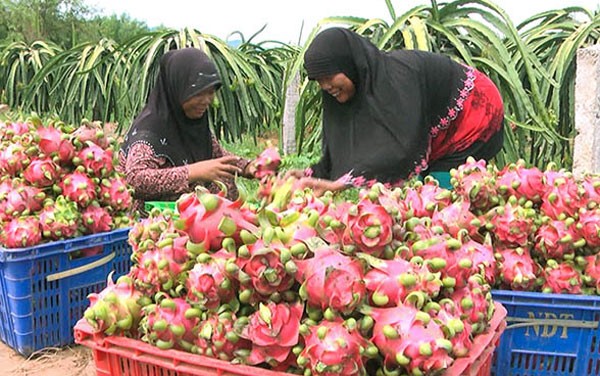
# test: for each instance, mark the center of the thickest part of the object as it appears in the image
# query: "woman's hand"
(320, 186)
(215, 169)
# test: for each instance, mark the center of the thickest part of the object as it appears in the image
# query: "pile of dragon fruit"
(394, 283)
(544, 225)
(58, 182)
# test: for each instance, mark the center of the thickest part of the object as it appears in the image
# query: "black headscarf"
(383, 131)
(162, 124)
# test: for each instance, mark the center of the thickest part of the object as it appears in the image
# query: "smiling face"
(338, 86)
(197, 105)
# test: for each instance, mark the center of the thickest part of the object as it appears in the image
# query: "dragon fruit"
(588, 227)
(335, 348)
(515, 179)
(563, 278)
(78, 187)
(368, 227)
(161, 266)
(591, 274)
(474, 302)
(91, 131)
(170, 324)
(96, 218)
(13, 159)
(208, 284)
(267, 162)
(330, 279)
(21, 232)
(116, 310)
(408, 338)
(97, 161)
(456, 217)
(422, 200)
(563, 198)
(265, 268)
(475, 181)
(56, 144)
(115, 193)
(209, 218)
(274, 329)
(215, 337)
(390, 282)
(59, 219)
(517, 270)
(42, 172)
(22, 199)
(557, 239)
(512, 223)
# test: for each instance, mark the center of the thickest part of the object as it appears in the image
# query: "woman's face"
(197, 105)
(338, 86)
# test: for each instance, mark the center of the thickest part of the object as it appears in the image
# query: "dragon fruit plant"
(62, 176)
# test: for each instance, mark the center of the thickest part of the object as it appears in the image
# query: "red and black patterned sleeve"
(153, 178)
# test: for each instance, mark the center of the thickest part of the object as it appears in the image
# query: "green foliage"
(58, 57)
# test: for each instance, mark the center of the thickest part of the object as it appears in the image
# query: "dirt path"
(72, 360)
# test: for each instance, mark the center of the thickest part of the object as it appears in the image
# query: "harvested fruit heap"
(544, 225)
(394, 283)
(58, 182)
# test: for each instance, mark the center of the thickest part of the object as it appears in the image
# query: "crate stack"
(64, 227)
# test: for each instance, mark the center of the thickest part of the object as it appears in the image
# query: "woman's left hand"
(320, 186)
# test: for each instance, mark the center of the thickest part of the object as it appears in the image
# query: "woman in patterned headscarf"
(389, 116)
(169, 148)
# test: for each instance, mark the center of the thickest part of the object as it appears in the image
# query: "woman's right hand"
(215, 169)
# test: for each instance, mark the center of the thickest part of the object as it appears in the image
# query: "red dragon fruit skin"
(267, 162)
(208, 283)
(408, 338)
(161, 266)
(115, 193)
(512, 223)
(42, 172)
(561, 278)
(215, 336)
(21, 232)
(588, 227)
(274, 329)
(335, 348)
(557, 239)
(78, 187)
(515, 179)
(368, 227)
(170, 324)
(97, 219)
(517, 270)
(330, 279)
(263, 269)
(208, 218)
(97, 161)
(116, 310)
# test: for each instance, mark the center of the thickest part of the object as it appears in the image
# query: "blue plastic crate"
(548, 335)
(44, 289)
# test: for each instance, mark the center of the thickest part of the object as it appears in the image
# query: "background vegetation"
(63, 59)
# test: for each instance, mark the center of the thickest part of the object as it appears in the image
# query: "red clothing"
(482, 116)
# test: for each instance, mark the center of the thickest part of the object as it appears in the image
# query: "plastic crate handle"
(80, 269)
(523, 322)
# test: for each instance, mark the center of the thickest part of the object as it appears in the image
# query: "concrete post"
(586, 155)
(292, 96)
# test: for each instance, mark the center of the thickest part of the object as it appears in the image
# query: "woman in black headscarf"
(169, 148)
(390, 116)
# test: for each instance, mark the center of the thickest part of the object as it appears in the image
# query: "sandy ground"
(72, 360)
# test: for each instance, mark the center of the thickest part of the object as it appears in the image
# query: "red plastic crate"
(119, 356)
